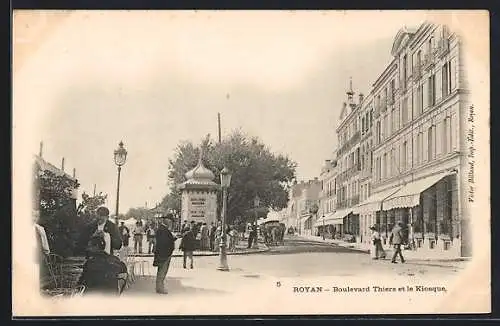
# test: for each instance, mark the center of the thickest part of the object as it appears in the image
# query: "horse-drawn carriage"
(272, 231)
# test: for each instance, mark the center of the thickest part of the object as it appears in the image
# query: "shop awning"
(319, 221)
(409, 195)
(338, 217)
(372, 203)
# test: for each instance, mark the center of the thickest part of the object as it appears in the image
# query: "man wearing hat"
(112, 234)
(396, 240)
(165, 245)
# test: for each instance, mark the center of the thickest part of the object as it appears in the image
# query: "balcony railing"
(349, 173)
(417, 71)
(349, 202)
(428, 62)
(443, 47)
(348, 144)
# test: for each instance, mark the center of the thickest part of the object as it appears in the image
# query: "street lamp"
(323, 217)
(256, 204)
(225, 181)
(120, 159)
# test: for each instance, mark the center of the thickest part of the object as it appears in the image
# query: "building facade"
(415, 142)
(327, 199)
(349, 167)
(303, 206)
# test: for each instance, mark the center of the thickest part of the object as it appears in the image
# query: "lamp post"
(323, 217)
(120, 159)
(225, 181)
(256, 204)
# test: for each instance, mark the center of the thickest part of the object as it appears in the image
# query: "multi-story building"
(416, 141)
(327, 199)
(303, 205)
(348, 166)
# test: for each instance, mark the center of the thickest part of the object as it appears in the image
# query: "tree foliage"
(139, 213)
(55, 202)
(89, 205)
(255, 170)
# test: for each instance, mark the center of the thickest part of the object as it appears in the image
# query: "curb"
(427, 260)
(195, 254)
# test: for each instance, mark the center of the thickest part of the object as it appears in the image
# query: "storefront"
(429, 207)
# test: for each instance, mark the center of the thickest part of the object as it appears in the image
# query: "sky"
(153, 79)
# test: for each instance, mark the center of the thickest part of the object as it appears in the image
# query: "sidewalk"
(241, 249)
(420, 255)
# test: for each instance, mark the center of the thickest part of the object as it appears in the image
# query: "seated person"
(102, 272)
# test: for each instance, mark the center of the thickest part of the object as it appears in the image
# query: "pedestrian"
(252, 238)
(151, 237)
(112, 236)
(205, 241)
(396, 240)
(125, 233)
(138, 237)
(211, 235)
(188, 245)
(184, 226)
(376, 250)
(165, 245)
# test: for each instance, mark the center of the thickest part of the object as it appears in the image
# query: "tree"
(89, 205)
(139, 213)
(255, 171)
(57, 207)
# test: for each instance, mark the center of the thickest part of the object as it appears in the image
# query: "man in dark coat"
(188, 246)
(102, 272)
(211, 234)
(125, 233)
(103, 224)
(165, 245)
(397, 239)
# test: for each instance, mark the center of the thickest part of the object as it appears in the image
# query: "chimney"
(361, 97)
(74, 173)
(40, 153)
(315, 178)
(62, 164)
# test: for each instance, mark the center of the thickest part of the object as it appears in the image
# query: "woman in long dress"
(376, 250)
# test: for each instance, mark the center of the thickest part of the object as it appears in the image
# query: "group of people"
(139, 231)
(396, 239)
(209, 237)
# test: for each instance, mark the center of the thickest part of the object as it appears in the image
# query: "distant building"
(327, 199)
(303, 205)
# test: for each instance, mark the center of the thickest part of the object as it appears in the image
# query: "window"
(384, 166)
(393, 90)
(403, 156)
(371, 161)
(432, 90)
(391, 163)
(371, 117)
(405, 70)
(419, 154)
(378, 130)
(430, 45)
(446, 79)
(404, 111)
(420, 98)
(431, 151)
(446, 136)
(385, 134)
(363, 125)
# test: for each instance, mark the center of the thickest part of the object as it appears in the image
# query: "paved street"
(304, 258)
(257, 282)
